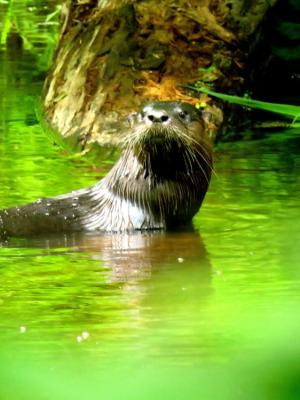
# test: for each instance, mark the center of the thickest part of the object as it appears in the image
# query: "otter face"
(164, 113)
(162, 120)
(168, 139)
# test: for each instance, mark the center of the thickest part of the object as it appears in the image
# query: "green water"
(212, 314)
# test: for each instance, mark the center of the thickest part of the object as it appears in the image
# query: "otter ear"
(212, 118)
(212, 115)
(131, 119)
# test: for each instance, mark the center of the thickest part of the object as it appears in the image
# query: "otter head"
(165, 121)
(169, 139)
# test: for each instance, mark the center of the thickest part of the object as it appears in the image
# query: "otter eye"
(182, 114)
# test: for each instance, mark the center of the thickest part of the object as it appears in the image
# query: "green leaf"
(287, 110)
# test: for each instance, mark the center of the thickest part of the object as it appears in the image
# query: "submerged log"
(114, 55)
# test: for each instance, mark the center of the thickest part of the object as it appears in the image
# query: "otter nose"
(156, 116)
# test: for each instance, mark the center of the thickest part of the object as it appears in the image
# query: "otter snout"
(155, 116)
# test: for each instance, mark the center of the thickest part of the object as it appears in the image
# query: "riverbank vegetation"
(112, 56)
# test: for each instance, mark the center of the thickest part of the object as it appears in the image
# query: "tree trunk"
(114, 55)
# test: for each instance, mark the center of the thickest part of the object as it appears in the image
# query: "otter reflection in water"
(158, 183)
(126, 257)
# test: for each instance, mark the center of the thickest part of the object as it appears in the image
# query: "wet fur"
(158, 183)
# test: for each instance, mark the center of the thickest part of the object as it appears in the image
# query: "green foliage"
(290, 30)
(286, 110)
(287, 53)
(6, 23)
(295, 4)
(37, 25)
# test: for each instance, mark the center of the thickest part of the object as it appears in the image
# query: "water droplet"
(85, 335)
(38, 201)
(47, 214)
(79, 339)
(180, 259)
(23, 329)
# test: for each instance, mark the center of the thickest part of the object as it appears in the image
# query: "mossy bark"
(114, 55)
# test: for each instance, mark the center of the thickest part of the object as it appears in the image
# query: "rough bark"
(114, 55)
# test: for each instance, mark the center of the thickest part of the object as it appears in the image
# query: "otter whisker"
(192, 156)
(189, 139)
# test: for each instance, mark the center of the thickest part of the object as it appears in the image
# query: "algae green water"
(211, 314)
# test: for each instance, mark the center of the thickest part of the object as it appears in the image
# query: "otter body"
(158, 183)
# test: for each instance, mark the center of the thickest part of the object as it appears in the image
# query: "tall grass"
(287, 110)
(6, 23)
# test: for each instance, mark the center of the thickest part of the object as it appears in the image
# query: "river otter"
(159, 182)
